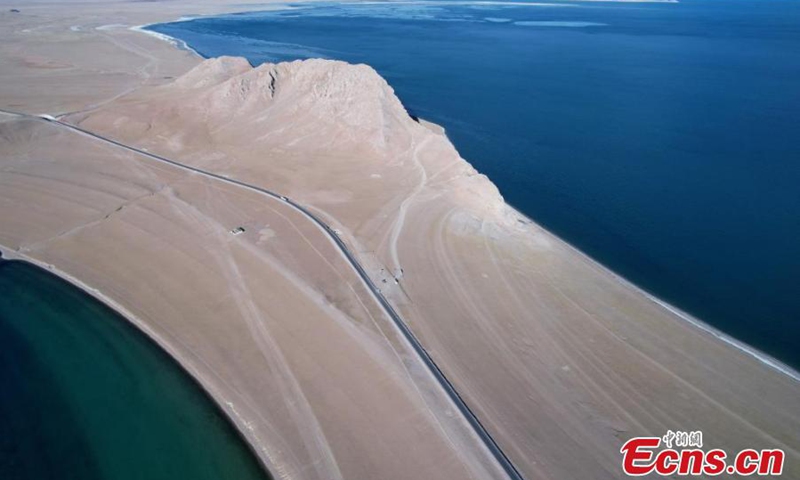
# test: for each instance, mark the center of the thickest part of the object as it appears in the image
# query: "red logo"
(643, 456)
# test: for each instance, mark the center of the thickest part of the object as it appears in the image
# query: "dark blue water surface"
(662, 139)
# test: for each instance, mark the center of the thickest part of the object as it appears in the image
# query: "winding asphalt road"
(448, 387)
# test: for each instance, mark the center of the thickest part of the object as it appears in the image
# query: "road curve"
(448, 387)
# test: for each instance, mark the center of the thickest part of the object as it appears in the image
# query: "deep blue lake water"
(662, 139)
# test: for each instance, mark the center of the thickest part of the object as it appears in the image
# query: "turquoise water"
(662, 139)
(84, 395)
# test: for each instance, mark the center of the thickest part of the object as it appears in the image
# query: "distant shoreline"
(179, 44)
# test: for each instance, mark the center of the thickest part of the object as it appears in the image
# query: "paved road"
(448, 387)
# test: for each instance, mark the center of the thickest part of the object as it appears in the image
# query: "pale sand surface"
(273, 322)
(560, 359)
(68, 55)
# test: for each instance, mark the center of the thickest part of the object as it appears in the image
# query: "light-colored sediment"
(273, 321)
(561, 360)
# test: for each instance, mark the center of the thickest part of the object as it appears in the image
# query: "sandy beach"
(560, 359)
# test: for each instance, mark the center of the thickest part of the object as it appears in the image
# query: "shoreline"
(740, 345)
(225, 408)
(177, 43)
(753, 352)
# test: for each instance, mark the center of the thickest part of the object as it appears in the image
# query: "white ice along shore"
(172, 40)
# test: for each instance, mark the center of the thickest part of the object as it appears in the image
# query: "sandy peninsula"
(560, 359)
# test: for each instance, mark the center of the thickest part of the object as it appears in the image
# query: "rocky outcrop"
(299, 118)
